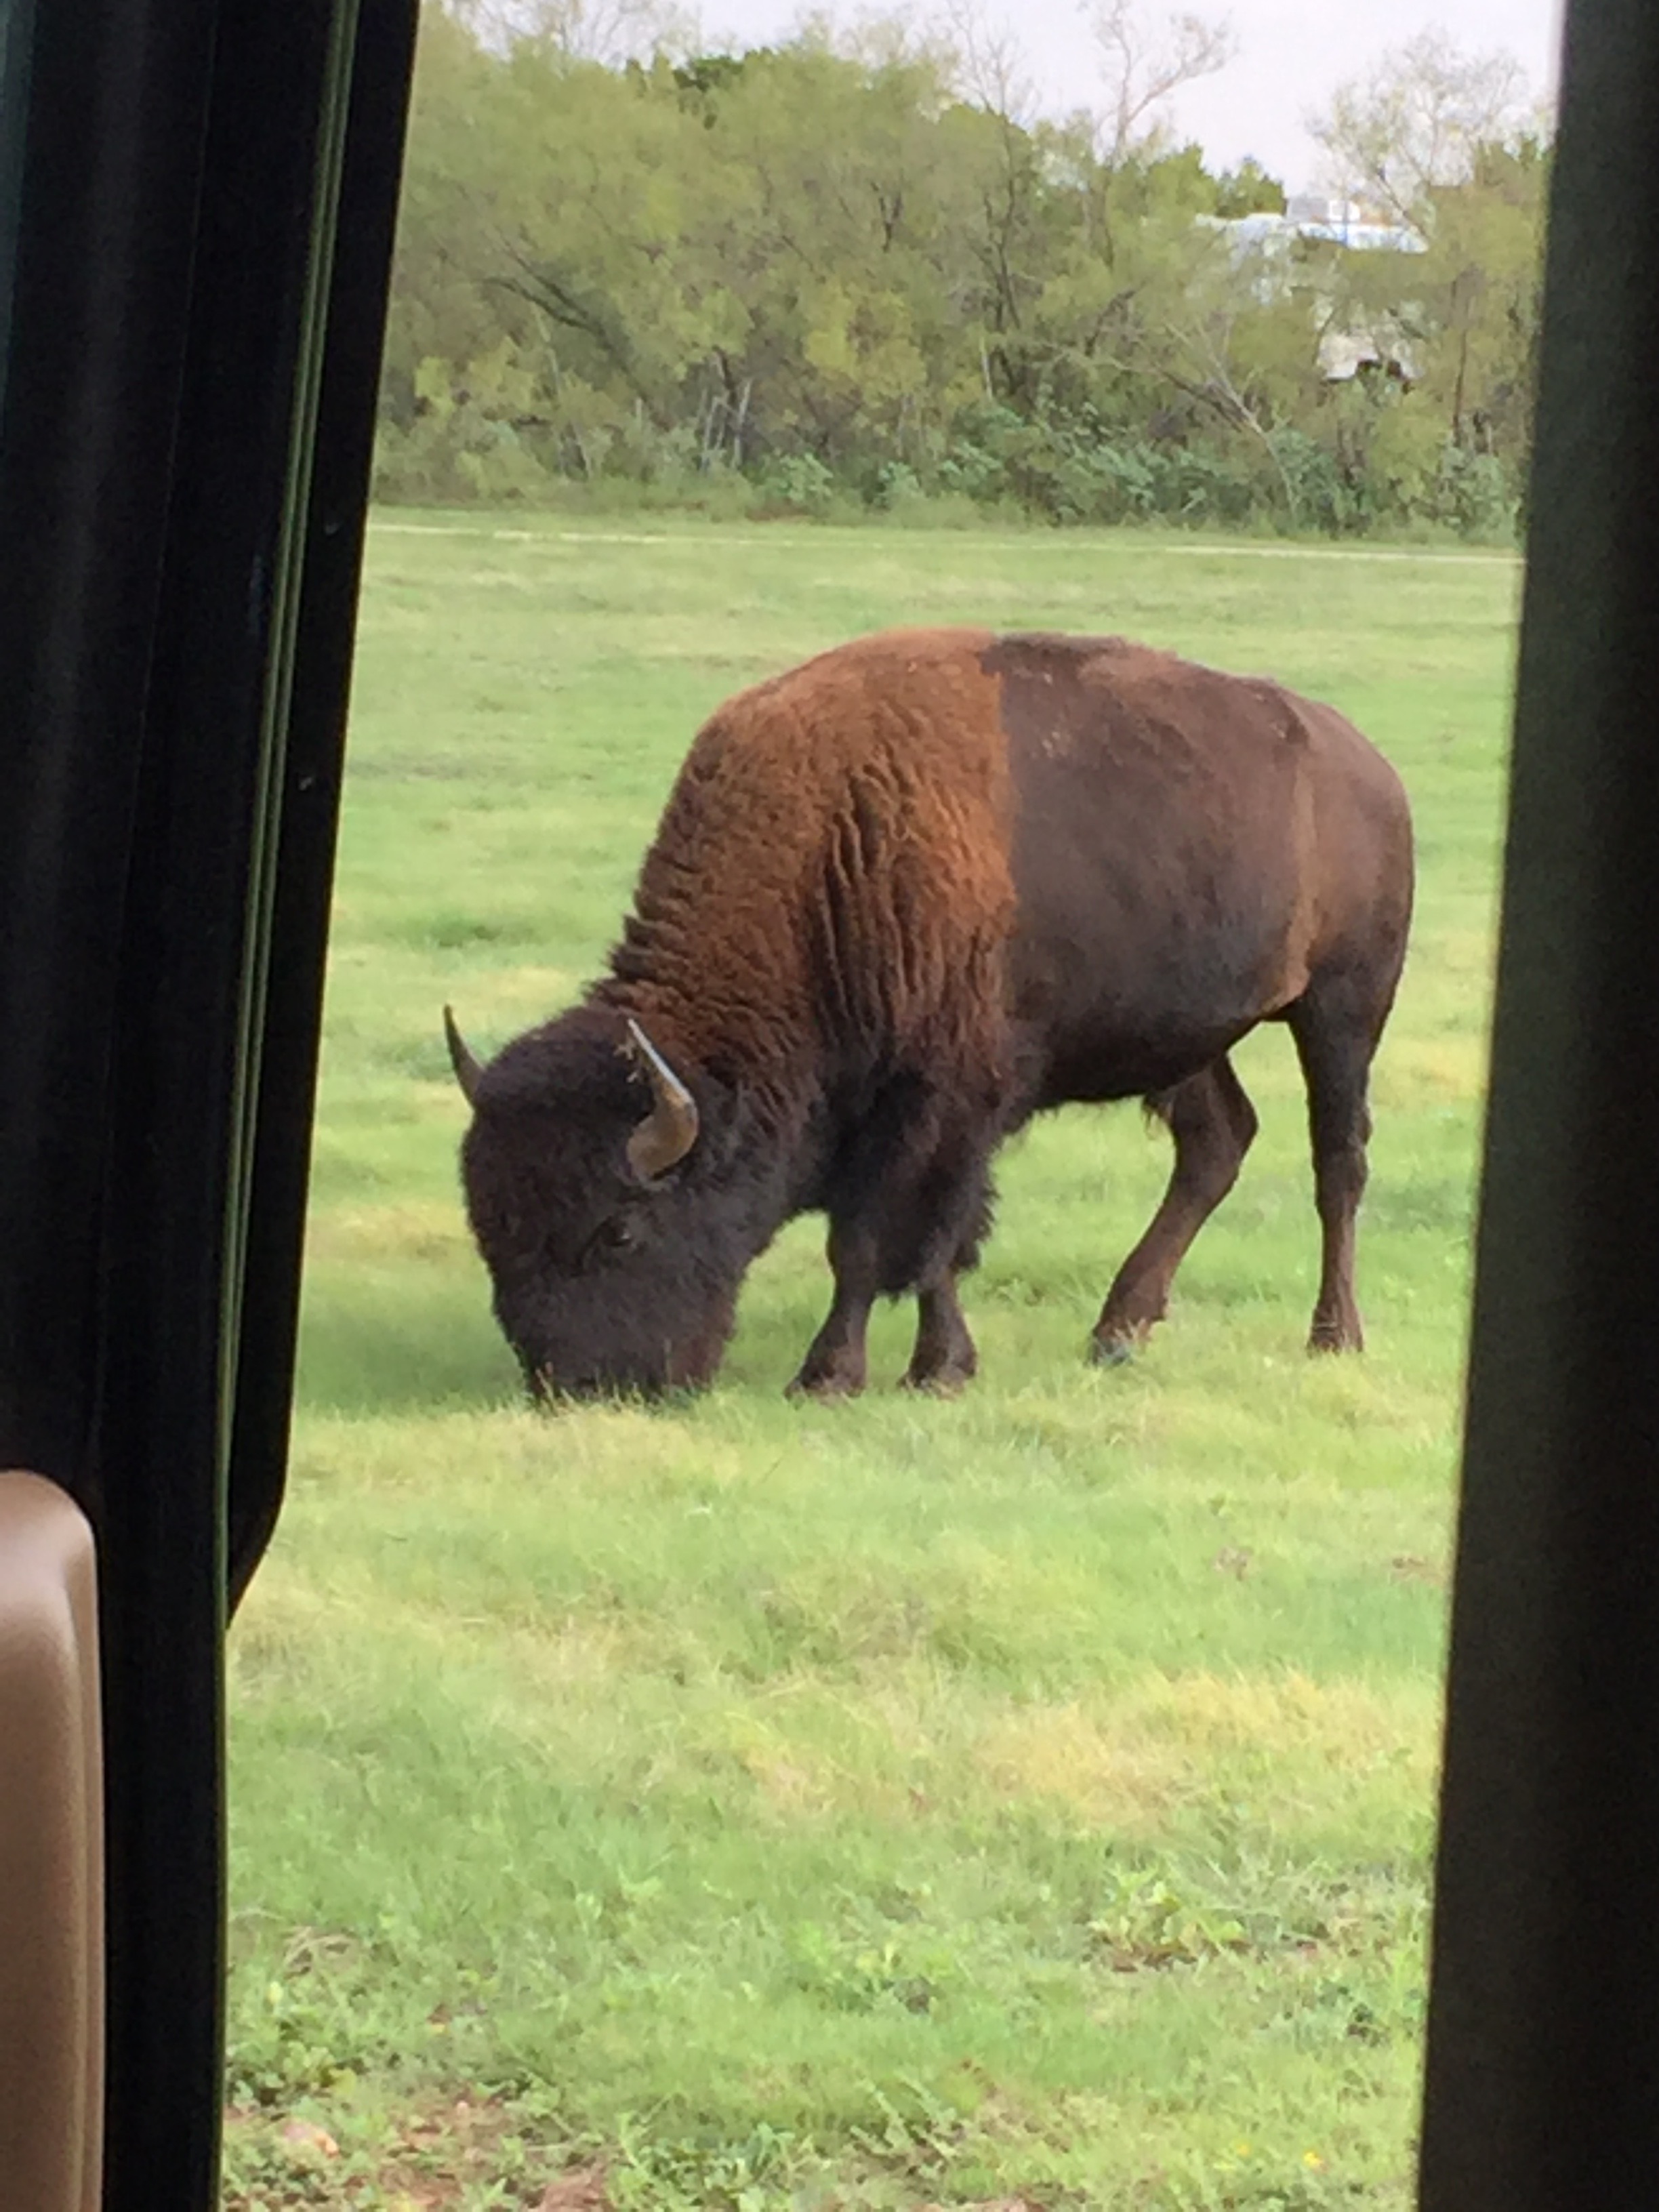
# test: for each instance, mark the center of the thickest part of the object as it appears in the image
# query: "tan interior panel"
(51, 1855)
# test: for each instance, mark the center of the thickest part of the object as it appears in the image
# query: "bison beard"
(903, 898)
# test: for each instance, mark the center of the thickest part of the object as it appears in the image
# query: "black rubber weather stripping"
(202, 223)
(1543, 2057)
(305, 790)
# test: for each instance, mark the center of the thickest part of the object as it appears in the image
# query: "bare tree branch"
(880, 37)
(1141, 67)
(986, 62)
(1416, 124)
(607, 30)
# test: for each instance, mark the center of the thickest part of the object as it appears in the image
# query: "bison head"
(600, 1193)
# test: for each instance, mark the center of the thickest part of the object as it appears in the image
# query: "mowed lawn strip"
(735, 1803)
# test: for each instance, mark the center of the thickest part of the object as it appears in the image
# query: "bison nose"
(551, 1390)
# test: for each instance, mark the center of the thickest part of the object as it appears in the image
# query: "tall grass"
(900, 1802)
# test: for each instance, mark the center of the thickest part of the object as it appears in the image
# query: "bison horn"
(670, 1130)
(467, 1070)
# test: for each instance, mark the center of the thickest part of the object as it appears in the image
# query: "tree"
(1141, 67)
(854, 262)
(609, 31)
(1483, 279)
(1248, 189)
(1417, 125)
(439, 309)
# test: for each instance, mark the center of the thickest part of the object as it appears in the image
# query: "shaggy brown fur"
(866, 904)
(901, 898)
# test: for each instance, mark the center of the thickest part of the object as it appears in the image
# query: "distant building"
(1345, 222)
(1271, 239)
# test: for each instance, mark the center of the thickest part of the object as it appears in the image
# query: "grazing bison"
(901, 899)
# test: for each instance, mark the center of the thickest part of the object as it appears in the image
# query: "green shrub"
(799, 483)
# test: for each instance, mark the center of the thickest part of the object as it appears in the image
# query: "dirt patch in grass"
(423, 2160)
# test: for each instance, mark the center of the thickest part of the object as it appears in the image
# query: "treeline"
(807, 277)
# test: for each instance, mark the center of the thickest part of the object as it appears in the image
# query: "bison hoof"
(1333, 1338)
(826, 1387)
(941, 1382)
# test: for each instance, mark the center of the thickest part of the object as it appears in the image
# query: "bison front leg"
(911, 1203)
(960, 1209)
(944, 1357)
(836, 1363)
(1213, 1123)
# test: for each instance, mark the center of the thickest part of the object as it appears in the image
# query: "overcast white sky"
(1290, 55)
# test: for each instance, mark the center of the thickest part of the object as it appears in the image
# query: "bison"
(903, 898)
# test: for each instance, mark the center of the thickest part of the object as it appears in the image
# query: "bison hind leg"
(1337, 1025)
(1214, 1124)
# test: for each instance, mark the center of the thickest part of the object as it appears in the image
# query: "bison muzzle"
(903, 898)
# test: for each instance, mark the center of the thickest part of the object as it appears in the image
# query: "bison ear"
(467, 1070)
(669, 1130)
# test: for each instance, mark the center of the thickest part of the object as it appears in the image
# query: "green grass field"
(1021, 1799)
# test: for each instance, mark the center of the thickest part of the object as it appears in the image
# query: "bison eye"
(610, 1236)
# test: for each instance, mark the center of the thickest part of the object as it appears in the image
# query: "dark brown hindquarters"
(1195, 853)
